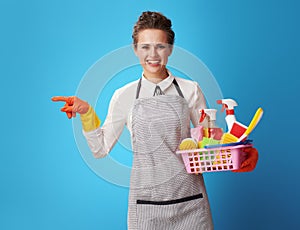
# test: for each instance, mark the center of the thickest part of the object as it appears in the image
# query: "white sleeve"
(102, 139)
(197, 102)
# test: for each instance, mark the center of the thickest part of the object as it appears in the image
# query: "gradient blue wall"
(252, 49)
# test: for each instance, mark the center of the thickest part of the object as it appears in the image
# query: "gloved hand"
(73, 105)
(251, 159)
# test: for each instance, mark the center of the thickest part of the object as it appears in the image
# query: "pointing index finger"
(59, 98)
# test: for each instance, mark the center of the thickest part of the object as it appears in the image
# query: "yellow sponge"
(228, 138)
(187, 144)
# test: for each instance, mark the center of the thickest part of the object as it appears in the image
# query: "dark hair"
(153, 20)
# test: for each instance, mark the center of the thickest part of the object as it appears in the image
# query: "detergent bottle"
(228, 105)
(235, 128)
(211, 131)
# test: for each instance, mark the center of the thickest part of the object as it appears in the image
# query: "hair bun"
(153, 20)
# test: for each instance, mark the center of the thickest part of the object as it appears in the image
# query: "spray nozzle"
(209, 113)
(228, 105)
(203, 115)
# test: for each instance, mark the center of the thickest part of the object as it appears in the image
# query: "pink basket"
(213, 159)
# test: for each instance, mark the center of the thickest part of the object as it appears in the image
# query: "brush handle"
(256, 118)
(242, 137)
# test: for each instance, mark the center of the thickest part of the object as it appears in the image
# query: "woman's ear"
(134, 47)
(171, 49)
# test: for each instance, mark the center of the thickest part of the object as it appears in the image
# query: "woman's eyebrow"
(153, 43)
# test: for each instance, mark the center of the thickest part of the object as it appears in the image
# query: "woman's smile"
(153, 63)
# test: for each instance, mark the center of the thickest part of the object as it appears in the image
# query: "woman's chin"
(155, 69)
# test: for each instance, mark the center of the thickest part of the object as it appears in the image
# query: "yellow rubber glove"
(90, 120)
(73, 105)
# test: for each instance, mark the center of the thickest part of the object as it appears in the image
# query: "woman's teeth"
(153, 62)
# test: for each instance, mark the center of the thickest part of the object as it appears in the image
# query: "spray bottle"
(228, 105)
(212, 131)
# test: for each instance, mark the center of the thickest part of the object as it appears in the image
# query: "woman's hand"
(249, 164)
(73, 105)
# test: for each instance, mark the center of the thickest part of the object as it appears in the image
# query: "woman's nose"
(153, 51)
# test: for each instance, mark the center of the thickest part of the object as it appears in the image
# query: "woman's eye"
(161, 46)
(148, 47)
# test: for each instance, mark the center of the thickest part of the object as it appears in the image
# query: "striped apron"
(162, 195)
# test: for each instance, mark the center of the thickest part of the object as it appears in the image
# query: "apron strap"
(138, 89)
(178, 88)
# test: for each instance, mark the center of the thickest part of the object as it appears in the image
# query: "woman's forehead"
(152, 43)
(152, 36)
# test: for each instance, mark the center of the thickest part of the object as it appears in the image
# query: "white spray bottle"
(228, 105)
(212, 131)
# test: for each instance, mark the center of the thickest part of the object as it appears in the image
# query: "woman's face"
(153, 51)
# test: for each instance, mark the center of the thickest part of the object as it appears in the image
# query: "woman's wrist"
(90, 120)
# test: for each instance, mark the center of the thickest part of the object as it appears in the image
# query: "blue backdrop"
(46, 47)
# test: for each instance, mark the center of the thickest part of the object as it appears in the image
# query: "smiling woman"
(157, 110)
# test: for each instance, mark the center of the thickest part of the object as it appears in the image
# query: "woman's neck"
(156, 78)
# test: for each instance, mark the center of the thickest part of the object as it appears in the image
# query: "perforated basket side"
(211, 160)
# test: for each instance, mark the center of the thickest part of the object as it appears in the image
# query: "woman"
(157, 110)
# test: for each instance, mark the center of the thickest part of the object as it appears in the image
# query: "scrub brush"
(229, 138)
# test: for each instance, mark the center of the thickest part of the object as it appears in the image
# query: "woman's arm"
(100, 139)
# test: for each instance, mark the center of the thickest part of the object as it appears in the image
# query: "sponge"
(208, 141)
(228, 138)
(187, 144)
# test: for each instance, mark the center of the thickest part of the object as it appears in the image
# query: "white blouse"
(102, 139)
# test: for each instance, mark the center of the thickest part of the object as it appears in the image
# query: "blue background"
(252, 49)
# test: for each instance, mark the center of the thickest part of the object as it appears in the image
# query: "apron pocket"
(181, 213)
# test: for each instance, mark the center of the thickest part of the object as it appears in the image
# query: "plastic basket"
(213, 159)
